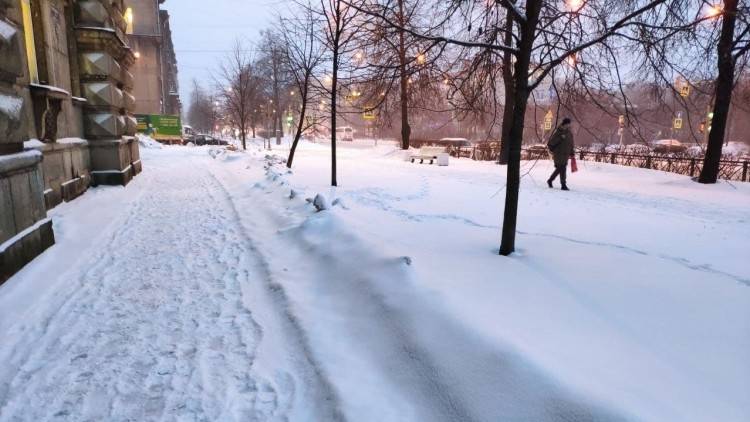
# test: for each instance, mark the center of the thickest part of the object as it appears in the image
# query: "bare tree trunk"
(274, 131)
(724, 86)
(506, 125)
(301, 122)
(334, 83)
(523, 60)
(508, 83)
(404, 93)
(297, 135)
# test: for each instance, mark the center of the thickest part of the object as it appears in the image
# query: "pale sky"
(204, 30)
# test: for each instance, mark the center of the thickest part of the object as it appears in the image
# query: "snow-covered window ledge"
(48, 104)
(49, 91)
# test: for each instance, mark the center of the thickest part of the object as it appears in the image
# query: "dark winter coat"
(561, 145)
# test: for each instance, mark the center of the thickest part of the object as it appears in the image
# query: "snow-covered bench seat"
(428, 153)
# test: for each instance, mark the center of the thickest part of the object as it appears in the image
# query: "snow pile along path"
(171, 317)
(390, 351)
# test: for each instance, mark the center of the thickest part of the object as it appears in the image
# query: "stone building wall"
(25, 230)
(66, 117)
(104, 59)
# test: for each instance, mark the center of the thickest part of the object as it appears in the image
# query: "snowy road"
(169, 318)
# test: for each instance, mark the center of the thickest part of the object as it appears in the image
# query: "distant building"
(155, 69)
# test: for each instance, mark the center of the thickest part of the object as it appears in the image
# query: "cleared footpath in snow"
(153, 306)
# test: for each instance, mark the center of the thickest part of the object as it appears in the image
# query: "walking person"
(561, 146)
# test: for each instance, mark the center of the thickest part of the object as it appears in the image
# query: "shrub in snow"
(406, 259)
(293, 194)
(321, 203)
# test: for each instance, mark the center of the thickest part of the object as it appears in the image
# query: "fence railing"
(729, 169)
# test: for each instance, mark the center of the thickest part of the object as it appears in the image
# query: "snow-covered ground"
(210, 289)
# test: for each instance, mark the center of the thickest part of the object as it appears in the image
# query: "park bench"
(428, 153)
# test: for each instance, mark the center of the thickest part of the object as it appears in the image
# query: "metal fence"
(729, 169)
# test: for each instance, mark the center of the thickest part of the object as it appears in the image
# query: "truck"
(166, 129)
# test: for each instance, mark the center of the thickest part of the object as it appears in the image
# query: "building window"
(129, 20)
(28, 32)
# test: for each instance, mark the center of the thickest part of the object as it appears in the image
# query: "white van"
(345, 133)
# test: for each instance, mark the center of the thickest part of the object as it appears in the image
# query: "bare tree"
(238, 87)
(545, 35)
(271, 62)
(732, 47)
(338, 19)
(716, 39)
(303, 55)
(202, 113)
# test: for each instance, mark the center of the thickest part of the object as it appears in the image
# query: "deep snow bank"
(612, 298)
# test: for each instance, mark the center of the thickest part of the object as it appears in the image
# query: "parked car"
(455, 142)
(736, 149)
(208, 140)
(188, 133)
(345, 133)
(538, 149)
(669, 146)
(613, 148)
(640, 149)
(596, 147)
(696, 151)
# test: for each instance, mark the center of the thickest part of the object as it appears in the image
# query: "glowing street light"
(714, 11)
(571, 60)
(575, 5)
(128, 17)
(421, 58)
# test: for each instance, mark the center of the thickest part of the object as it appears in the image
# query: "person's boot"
(549, 183)
(564, 187)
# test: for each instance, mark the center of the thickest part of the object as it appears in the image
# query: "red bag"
(573, 165)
